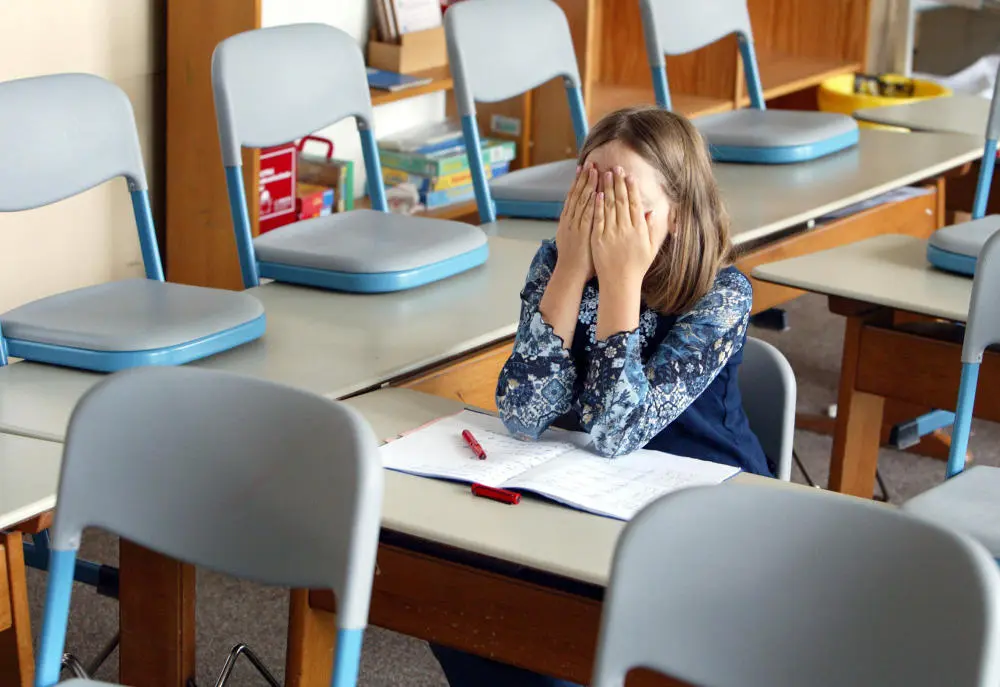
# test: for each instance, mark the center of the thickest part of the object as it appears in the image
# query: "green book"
(449, 161)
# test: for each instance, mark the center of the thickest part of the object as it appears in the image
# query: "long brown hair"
(699, 245)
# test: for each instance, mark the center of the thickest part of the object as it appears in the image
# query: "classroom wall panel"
(90, 238)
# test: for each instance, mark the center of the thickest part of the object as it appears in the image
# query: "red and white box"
(277, 186)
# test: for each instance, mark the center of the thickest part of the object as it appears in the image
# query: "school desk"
(450, 338)
(771, 206)
(29, 475)
(896, 348)
(959, 114)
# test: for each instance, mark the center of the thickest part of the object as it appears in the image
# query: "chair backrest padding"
(311, 76)
(486, 75)
(674, 27)
(767, 385)
(235, 474)
(831, 591)
(62, 134)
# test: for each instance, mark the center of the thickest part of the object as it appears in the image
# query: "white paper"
(439, 450)
(618, 487)
(417, 15)
(560, 466)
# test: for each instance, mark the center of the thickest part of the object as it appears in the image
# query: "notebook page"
(438, 450)
(618, 487)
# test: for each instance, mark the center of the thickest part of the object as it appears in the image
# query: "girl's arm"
(536, 383)
(625, 403)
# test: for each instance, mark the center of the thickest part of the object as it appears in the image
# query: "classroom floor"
(230, 611)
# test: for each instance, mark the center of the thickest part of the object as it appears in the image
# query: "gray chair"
(61, 135)
(486, 75)
(969, 500)
(239, 475)
(886, 599)
(956, 248)
(767, 385)
(749, 135)
(277, 84)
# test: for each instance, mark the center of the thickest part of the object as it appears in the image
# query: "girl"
(633, 321)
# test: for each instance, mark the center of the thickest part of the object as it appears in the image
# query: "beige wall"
(90, 238)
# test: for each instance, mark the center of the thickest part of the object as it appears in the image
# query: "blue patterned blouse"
(670, 385)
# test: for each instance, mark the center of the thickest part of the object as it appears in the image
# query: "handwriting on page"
(438, 450)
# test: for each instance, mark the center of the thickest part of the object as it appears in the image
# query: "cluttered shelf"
(607, 98)
(781, 74)
(465, 211)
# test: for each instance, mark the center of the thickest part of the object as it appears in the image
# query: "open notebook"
(560, 466)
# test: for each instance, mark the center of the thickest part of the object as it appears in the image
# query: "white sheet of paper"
(438, 450)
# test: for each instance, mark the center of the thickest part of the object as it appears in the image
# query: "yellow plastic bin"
(836, 94)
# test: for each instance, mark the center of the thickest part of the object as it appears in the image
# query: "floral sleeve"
(625, 403)
(536, 383)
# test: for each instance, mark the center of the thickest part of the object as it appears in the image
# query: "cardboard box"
(415, 52)
(313, 201)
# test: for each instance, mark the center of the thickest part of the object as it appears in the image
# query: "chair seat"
(955, 248)
(776, 136)
(369, 251)
(968, 502)
(548, 183)
(132, 322)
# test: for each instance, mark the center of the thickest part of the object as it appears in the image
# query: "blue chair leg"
(907, 434)
(963, 419)
(56, 615)
(348, 657)
(104, 578)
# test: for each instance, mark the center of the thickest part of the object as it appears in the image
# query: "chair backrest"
(674, 27)
(982, 330)
(841, 592)
(277, 84)
(235, 474)
(988, 162)
(493, 75)
(62, 134)
(767, 385)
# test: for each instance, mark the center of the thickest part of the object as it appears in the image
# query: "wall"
(90, 238)
(354, 17)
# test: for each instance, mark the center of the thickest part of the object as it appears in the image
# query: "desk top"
(959, 114)
(328, 343)
(536, 533)
(763, 200)
(890, 271)
(29, 476)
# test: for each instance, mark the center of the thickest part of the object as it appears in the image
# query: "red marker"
(501, 495)
(473, 444)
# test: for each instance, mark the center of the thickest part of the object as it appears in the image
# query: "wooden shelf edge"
(606, 98)
(784, 74)
(440, 81)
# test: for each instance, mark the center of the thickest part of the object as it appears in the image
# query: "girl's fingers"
(599, 218)
(636, 213)
(608, 193)
(586, 196)
(621, 197)
(587, 215)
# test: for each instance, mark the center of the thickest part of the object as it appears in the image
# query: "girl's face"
(653, 198)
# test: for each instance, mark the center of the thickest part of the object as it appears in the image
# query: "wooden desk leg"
(156, 609)
(857, 433)
(312, 638)
(17, 664)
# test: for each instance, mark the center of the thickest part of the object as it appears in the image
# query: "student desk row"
(959, 114)
(896, 347)
(450, 339)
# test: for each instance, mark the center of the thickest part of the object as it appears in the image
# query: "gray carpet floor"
(230, 611)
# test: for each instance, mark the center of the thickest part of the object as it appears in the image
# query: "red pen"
(473, 444)
(501, 495)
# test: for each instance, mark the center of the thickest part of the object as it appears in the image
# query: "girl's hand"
(622, 242)
(575, 223)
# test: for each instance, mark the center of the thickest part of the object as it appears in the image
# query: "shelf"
(783, 74)
(440, 81)
(606, 98)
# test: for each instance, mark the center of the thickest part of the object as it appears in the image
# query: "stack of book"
(433, 160)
